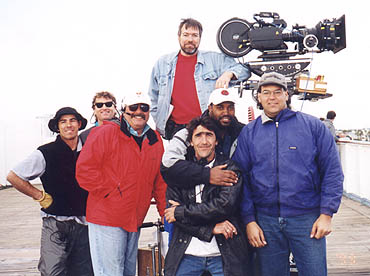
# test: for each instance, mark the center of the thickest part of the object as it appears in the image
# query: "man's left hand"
(224, 80)
(169, 213)
(321, 227)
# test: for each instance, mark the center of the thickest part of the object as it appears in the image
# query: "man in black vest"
(64, 239)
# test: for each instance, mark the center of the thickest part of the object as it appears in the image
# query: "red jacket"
(121, 178)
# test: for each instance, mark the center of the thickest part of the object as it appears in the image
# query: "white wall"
(19, 140)
(355, 157)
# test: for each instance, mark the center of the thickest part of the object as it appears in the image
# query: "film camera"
(237, 37)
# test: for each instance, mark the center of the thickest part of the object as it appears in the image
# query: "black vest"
(59, 180)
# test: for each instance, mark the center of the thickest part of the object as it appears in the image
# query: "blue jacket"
(290, 167)
(210, 66)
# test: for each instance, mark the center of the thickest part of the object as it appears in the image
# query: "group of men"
(273, 184)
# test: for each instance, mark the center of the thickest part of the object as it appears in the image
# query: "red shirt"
(184, 94)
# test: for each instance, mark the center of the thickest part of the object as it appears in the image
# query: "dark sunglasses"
(143, 107)
(107, 104)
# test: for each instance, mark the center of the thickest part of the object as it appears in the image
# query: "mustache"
(141, 115)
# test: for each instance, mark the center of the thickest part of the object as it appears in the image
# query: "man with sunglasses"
(181, 82)
(104, 108)
(292, 183)
(120, 168)
(64, 239)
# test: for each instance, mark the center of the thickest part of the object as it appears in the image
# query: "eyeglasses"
(143, 107)
(268, 93)
(107, 104)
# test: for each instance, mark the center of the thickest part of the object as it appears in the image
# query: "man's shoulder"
(309, 119)
(167, 58)
(48, 145)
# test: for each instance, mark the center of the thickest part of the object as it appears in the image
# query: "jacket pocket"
(210, 76)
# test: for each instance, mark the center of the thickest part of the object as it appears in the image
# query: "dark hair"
(259, 105)
(331, 115)
(192, 23)
(104, 94)
(204, 121)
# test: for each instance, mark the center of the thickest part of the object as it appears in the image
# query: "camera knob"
(310, 41)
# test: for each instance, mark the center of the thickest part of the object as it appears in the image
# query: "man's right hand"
(45, 201)
(255, 235)
(219, 176)
(225, 228)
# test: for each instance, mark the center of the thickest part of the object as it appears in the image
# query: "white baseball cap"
(136, 98)
(221, 95)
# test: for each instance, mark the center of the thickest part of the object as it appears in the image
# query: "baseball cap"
(272, 78)
(221, 95)
(135, 98)
(53, 123)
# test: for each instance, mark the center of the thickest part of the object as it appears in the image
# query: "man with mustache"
(182, 81)
(208, 234)
(221, 109)
(119, 167)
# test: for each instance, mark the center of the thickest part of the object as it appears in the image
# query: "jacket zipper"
(277, 165)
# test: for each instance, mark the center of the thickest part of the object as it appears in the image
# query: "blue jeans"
(195, 266)
(113, 250)
(285, 235)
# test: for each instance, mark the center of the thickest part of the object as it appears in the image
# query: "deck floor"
(348, 246)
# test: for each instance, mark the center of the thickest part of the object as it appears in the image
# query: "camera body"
(237, 37)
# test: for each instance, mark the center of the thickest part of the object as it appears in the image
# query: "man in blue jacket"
(293, 183)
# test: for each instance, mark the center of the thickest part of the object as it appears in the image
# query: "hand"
(169, 213)
(321, 227)
(221, 177)
(224, 80)
(225, 228)
(45, 201)
(255, 235)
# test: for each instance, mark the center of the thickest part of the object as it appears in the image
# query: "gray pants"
(64, 248)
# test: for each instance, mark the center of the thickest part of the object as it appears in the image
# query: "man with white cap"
(119, 166)
(221, 109)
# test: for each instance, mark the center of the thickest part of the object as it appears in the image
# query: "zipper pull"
(277, 124)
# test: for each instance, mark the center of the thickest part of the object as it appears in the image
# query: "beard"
(189, 51)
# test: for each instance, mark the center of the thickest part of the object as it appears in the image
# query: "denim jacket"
(210, 66)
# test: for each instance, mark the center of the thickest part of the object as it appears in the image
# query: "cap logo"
(225, 92)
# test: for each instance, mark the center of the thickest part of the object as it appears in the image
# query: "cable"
(309, 74)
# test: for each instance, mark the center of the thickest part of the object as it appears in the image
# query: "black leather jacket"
(219, 203)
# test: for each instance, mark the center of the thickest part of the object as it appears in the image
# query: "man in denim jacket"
(181, 82)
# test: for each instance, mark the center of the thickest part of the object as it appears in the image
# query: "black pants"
(64, 249)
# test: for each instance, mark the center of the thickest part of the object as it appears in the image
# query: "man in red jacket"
(119, 166)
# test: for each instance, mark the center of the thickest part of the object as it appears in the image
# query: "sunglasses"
(143, 107)
(107, 104)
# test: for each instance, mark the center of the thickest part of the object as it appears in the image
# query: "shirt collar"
(265, 118)
(134, 132)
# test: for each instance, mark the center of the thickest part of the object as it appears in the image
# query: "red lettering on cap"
(224, 92)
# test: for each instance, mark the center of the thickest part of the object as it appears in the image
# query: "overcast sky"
(56, 53)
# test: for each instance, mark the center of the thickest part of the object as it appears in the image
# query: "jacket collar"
(283, 115)
(172, 58)
(150, 134)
